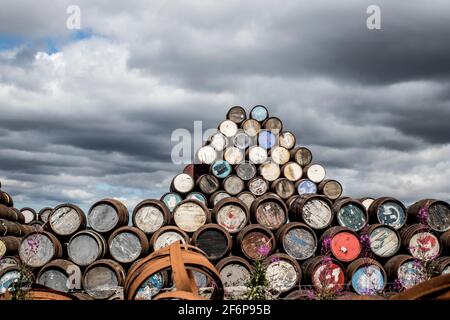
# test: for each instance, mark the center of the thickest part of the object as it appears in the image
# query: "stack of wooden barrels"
(252, 193)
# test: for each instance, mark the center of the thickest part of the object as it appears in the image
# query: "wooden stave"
(9, 245)
(296, 209)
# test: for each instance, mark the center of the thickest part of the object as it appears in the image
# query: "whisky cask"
(237, 114)
(313, 210)
(292, 171)
(166, 236)
(388, 211)
(103, 278)
(367, 201)
(256, 242)
(436, 212)
(182, 183)
(384, 240)
(280, 155)
(189, 215)
(66, 219)
(405, 269)
(108, 214)
(251, 127)
(258, 186)
(198, 196)
(420, 242)
(214, 240)
(314, 172)
(287, 140)
(242, 140)
(282, 273)
(150, 215)
(235, 273)
(217, 196)
(234, 155)
(283, 187)
(39, 248)
(259, 113)
(86, 246)
(247, 197)
(57, 274)
(221, 169)
(44, 214)
(10, 214)
(29, 214)
(246, 171)
(9, 245)
(344, 244)
(218, 141)
(297, 240)
(305, 187)
(233, 185)
(228, 128)
(301, 155)
(273, 124)
(208, 184)
(6, 199)
(269, 171)
(331, 189)
(325, 274)
(232, 214)
(350, 213)
(257, 155)
(9, 228)
(266, 139)
(127, 244)
(171, 199)
(367, 276)
(206, 155)
(269, 211)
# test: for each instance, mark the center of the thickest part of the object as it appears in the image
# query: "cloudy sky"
(87, 114)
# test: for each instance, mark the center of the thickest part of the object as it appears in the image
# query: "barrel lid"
(345, 246)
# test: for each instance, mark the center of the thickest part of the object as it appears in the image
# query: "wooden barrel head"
(282, 274)
(345, 246)
(84, 248)
(331, 189)
(29, 214)
(246, 171)
(233, 185)
(232, 217)
(54, 279)
(315, 172)
(247, 198)
(228, 128)
(221, 169)
(252, 243)
(44, 214)
(317, 213)
(410, 274)
(66, 219)
(251, 127)
(368, 280)
(270, 214)
(150, 216)
(219, 195)
(214, 240)
(100, 282)
(384, 242)
(7, 279)
(258, 186)
(208, 184)
(151, 287)
(257, 155)
(270, 171)
(103, 217)
(280, 155)
(367, 202)
(292, 171)
(302, 156)
(283, 188)
(36, 250)
(266, 139)
(328, 277)
(125, 247)
(218, 141)
(237, 114)
(235, 277)
(273, 124)
(306, 187)
(352, 216)
(233, 155)
(439, 216)
(171, 200)
(287, 140)
(167, 238)
(242, 140)
(392, 214)
(299, 243)
(206, 155)
(259, 113)
(183, 183)
(424, 245)
(189, 215)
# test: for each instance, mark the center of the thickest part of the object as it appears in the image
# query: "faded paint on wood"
(281, 275)
(368, 280)
(36, 250)
(316, 173)
(345, 246)
(251, 127)
(236, 114)
(293, 171)
(45, 214)
(391, 214)
(302, 156)
(259, 113)
(218, 141)
(241, 140)
(83, 249)
(329, 277)
(332, 189)
(234, 277)
(270, 214)
(247, 198)
(270, 171)
(125, 247)
(439, 217)
(280, 155)
(306, 187)
(257, 155)
(220, 196)
(232, 218)
(7, 280)
(352, 217)
(189, 216)
(149, 218)
(100, 282)
(286, 140)
(299, 243)
(197, 196)
(65, 221)
(151, 287)
(208, 184)
(171, 200)
(284, 188)
(367, 202)
(246, 171)
(253, 241)
(221, 169)
(317, 213)
(258, 186)
(204, 284)
(54, 279)
(29, 216)
(206, 155)
(103, 218)
(183, 183)
(410, 274)
(384, 242)
(168, 238)
(228, 128)
(233, 185)
(233, 155)
(424, 246)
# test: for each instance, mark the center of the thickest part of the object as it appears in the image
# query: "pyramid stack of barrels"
(253, 192)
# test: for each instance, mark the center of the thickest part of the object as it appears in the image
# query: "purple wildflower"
(264, 250)
(398, 286)
(273, 260)
(423, 216)
(326, 260)
(326, 246)
(310, 294)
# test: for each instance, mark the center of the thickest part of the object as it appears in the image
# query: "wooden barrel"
(273, 124)
(287, 140)
(251, 127)
(331, 189)
(301, 155)
(57, 273)
(182, 183)
(11, 274)
(280, 155)
(314, 210)
(384, 240)
(44, 214)
(314, 172)
(166, 236)
(259, 113)
(366, 276)
(350, 213)
(103, 278)
(367, 201)
(9, 245)
(6, 199)
(235, 273)
(237, 114)
(443, 265)
(150, 215)
(232, 214)
(269, 171)
(206, 155)
(445, 242)
(258, 186)
(242, 140)
(246, 171)
(198, 196)
(405, 269)
(343, 243)
(257, 155)
(266, 139)
(221, 169)
(37, 225)
(325, 274)
(10, 214)
(292, 171)
(171, 199)
(214, 240)
(283, 187)
(8, 261)
(39, 248)
(256, 241)
(9, 228)
(420, 242)
(388, 211)
(269, 211)
(127, 244)
(297, 240)
(305, 187)
(233, 185)
(208, 184)
(228, 128)
(107, 215)
(29, 214)
(86, 246)
(66, 219)
(247, 197)
(234, 155)
(217, 196)
(282, 273)
(437, 213)
(218, 141)
(189, 215)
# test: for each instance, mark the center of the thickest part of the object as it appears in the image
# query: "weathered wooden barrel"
(66, 219)
(266, 139)
(314, 172)
(287, 140)
(332, 189)
(283, 187)
(107, 215)
(228, 128)
(292, 171)
(256, 241)
(237, 114)
(367, 276)
(29, 214)
(37, 225)
(221, 169)
(269, 171)
(103, 278)
(384, 240)
(232, 214)
(280, 155)
(218, 141)
(297, 240)
(8, 261)
(6, 199)
(301, 155)
(235, 273)
(86, 246)
(182, 183)
(259, 113)
(436, 212)
(342, 243)
(247, 197)
(246, 171)
(9, 228)
(324, 273)
(257, 155)
(291, 200)
(258, 186)
(150, 215)
(214, 240)
(242, 140)
(198, 196)
(420, 242)
(443, 265)
(217, 196)
(127, 244)
(166, 236)
(269, 211)
(39, 248)
(273, 124)
(60, 275)
(305, 187)
(206, 155)
(208, 184)
(9, 245)
(171, 199)
(445, 242)
(11, 274)
(189, 215)
(283, 273)
(367, 202)
(251, 127)
(406, 270)
(11, 215)
(44, 214)
(234, 155)
(388, 211)
(314, 210)
(233, 185)
(350, 213)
